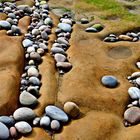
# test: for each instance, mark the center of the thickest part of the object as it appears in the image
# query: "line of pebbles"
(132, 113)
(35, 45)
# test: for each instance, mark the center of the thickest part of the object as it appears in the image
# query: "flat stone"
(45, 121)
(4, 132)
(84, 20)
(35, 32)
(67, 21)
(8, 121)
(110, 39)
(26, 43)
(134, 92)
(40, 51)
(5, 25)
(71, 109)
(65, 27)
(23, 127)
(132, 115)
(27, 99)
(44, 35)
(26, 116)
(109, 81)
(43, 46)
(55, 125)
(56, 113)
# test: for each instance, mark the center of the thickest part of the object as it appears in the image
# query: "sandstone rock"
(125, 38)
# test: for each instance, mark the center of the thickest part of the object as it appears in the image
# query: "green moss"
(5, 0)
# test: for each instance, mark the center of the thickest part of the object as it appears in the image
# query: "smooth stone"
(65, 27)
(43, 46)
(4, 132)
(26, 43)
(135, 39)
(5, 25)
(15, 29)
(30, 49)
(28, 114)
(109, 81)
(40, 51)
(132, 115)
(71, 109)
(45, 121)
(60, 57)
(36, 121)
(12, 15)
(55, 125)
(35, 32)
(34, 81)
(135, 103)
(68, 21)
(11, 21)
(32, 72)
(27, 99)
(8, 121)
(57, 45)
(134, 92)
(48, 21)
(62, 40)
(33, 90)
(25, 8)
(55, 50)
(43, 27)
(13, 132)
(23, 127)
(125, 38)
(135, 75)
(98, 27)
(64, 65)
(35, 56)
(8, 9)
(56, 113)
(9, 32)
(31, 62)
(44, 35)
(110, 39)
(138, 64)
(84, 21)
(91, 30)
(138, 81)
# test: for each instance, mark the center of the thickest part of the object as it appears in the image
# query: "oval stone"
(64, 65)
(65, 27)
(34, 81)
(138, 81)
(45, 121)
(132, 115)
(23, 127)
(5, 24)
(13, 132)
(32, 72)
(56, 113)
(109, 81)
(8, 121)
(59, 57)
(55, 125)
(28, 114)
(134, 92)
(4, 132)
(26, 43)
(30, 49)
(135, 75)
(57, 50)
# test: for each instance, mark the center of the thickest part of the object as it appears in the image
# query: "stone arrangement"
(132, 113)
(130, 36)
(35, 44)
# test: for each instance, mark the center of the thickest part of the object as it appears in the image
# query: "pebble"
(134, 92)
(15, 29)
(40, 51)
(65, 27)
(64, 65)
(71, 109)
(4, 132)
(12, 15)
(56, 113)
(110, 39)
(138, 81)
(44, 35)
(26, 116)
(62, 40)
(5, 25)
(135, 75)
(36, 121)
(26, 43)
(45, 121)
(91, 30)
(125, 38)
(13, 132)
(109, 81)
(55, 50)
(34, 81)
(33, 90)
(132, 115)
(35, 56)
(43, 46)
(23, 127)
(55, 125)
(98, 27)
(60, 57)
(32, 72)
(138, 64)
(30, 49)
(27, 99)
(67, 21)
(31, 62)
(84, 20)
(48, 21)
(35, 32)
(8, 121)
(25, 8)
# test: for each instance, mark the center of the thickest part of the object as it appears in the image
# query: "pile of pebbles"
(132, 113)
(130, 36)
(61, 44)
(35, 44)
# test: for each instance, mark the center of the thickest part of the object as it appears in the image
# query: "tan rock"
(125, 38)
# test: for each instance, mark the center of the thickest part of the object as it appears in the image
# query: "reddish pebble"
(13, 132)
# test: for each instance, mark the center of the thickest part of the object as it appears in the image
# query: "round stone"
(40, 51)
(26, 43)
(26, 116)
(15, 29)
(45, 121)
(31, 62)
(23, 127)
(48, 21)
(35, 32)
(5, 24)
(135, 75)
(132, 115)
(71, 109)
(44, 35)
(4, 132)
(55, 125)
(43, 46)
(34, 81)
(12, 15)
(27, 99)
(8, 121)
(56, 113)
(13, 132)
(32, 72)
(59, 57)
(109, 81)
(35, 56)
(65, 27)
(30, 49)
(134, 92)
(36, 121)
